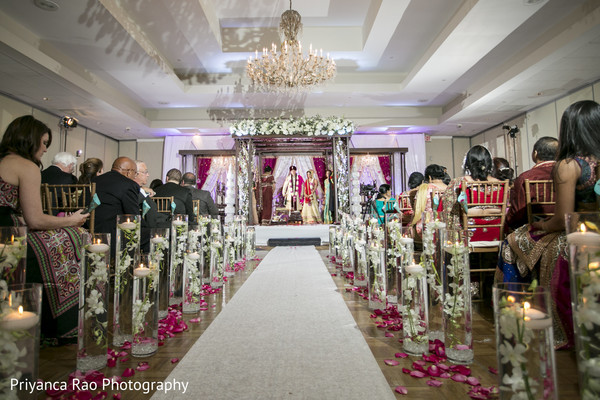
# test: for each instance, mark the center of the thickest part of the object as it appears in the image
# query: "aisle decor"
(583, 237)
(159, 255)
(305, 126)
(127, 256)
(179, 239)
(13, 251)
(93, 313)
(145, 308)
(393, 255)
(526, 363)
(376, 275)
(434, 238)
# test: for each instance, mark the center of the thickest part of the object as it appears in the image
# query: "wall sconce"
(68, 122)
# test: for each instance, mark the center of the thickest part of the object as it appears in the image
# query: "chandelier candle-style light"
(289, 69)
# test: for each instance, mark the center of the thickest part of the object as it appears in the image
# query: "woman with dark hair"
(329, 200)
(90, 168)
(538, 251)
(155, 183)
(415, 179)
(502, 170)
(385, 202)
(23, 145)
(267, 186)
(422, 203)
(478, 166)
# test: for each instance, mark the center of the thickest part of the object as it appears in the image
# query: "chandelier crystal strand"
(289, 69)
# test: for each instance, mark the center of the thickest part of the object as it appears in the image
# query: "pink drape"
(320, 168)
(203, 169)
(268, 161)
(385, 164)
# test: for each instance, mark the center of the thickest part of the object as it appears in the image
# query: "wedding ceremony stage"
(286, 333)
(265, 233)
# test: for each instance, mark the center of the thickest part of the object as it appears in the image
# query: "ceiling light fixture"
(68, 122)
(289, 69)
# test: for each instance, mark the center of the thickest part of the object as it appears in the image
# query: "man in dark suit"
(182, 196)
(61, 170)
(151, 218)
(207, 205)
(118, 194)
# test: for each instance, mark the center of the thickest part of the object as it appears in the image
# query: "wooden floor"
(56, 363)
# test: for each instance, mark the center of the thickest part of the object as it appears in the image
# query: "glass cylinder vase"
(159, 255)
(229, 253)
(145, 308)
(393, 256)
(92, 335)
(377, 278)
(13, 254)
(457, 317)
(414, 310)
(346, 252)
(179, 237)
(127, 257)
(192, 285)
(20, 316)
(526, 363)
(250, 243)
(583, 237)
(216, 263)
(434, 239)
(331, 240)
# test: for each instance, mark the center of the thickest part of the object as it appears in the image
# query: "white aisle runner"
(286, 334)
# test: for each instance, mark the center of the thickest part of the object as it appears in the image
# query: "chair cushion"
(485, 243)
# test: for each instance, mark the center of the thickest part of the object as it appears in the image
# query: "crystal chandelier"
(289, 69)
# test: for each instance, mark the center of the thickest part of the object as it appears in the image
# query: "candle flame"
(20, 310)
(511, 299)
(12, 239)
(97, 241)
(526, 306)
(10, 300)
(527, 318)
(582, 228)
(141, 265)
(127, 220)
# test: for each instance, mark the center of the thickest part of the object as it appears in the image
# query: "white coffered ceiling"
(148, 68)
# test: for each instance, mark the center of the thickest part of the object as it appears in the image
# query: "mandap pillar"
(341, 166)
(244, 158)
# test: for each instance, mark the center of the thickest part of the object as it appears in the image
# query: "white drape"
(368, 169)
(217, 173)
(171, 157)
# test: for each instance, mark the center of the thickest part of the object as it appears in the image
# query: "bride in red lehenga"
(311, 194)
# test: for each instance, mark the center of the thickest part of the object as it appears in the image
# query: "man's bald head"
(125, 166)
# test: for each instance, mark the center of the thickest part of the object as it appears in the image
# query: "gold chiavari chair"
(70, 198)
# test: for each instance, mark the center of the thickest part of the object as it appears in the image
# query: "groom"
(291, 190)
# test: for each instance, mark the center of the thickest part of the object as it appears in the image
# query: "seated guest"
(90, 168)
(23, 145)
(385, 203)
(151, 218)
(415, 179)
(477, 167)
(538, 251)
(543, 155)
(155, 183)
(447, 178)
(207, 204)
(118, 195)
(502, 170)
(422, 204)
(181, 195)
(61, 170)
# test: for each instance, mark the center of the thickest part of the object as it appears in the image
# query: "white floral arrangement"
(124, 259)
(305, 126)
(378, 291)
(11, 354)
(140, 309)
(454, 304)
(216, 260)
(194, 281)
(10, 256)
(414, 327)
(434, 280)
(94, 302)
(180, 240)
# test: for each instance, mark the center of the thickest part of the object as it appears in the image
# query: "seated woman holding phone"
(53, 243)
(385, 203)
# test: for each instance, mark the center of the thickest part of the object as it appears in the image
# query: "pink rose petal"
(401, 355)
(406, 370)
(389, 334)
(124, 359)
(401, 390)
(434, 371)
(117, 396)
(459, 378)
(493, 370)
(195, 320)
(174, 360)
(391, 362)
(473, 381)
(445, 375)
(418, 374)
(461, 369)
(128, 372)
(433, 382)
(111, 362)
(142, 366)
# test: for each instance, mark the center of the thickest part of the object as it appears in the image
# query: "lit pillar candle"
(583, 238)
(18, 320)
(157, 240)
(141, 271)
(535, 319)
(414, 269)
(98, 247)
(127, 225)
